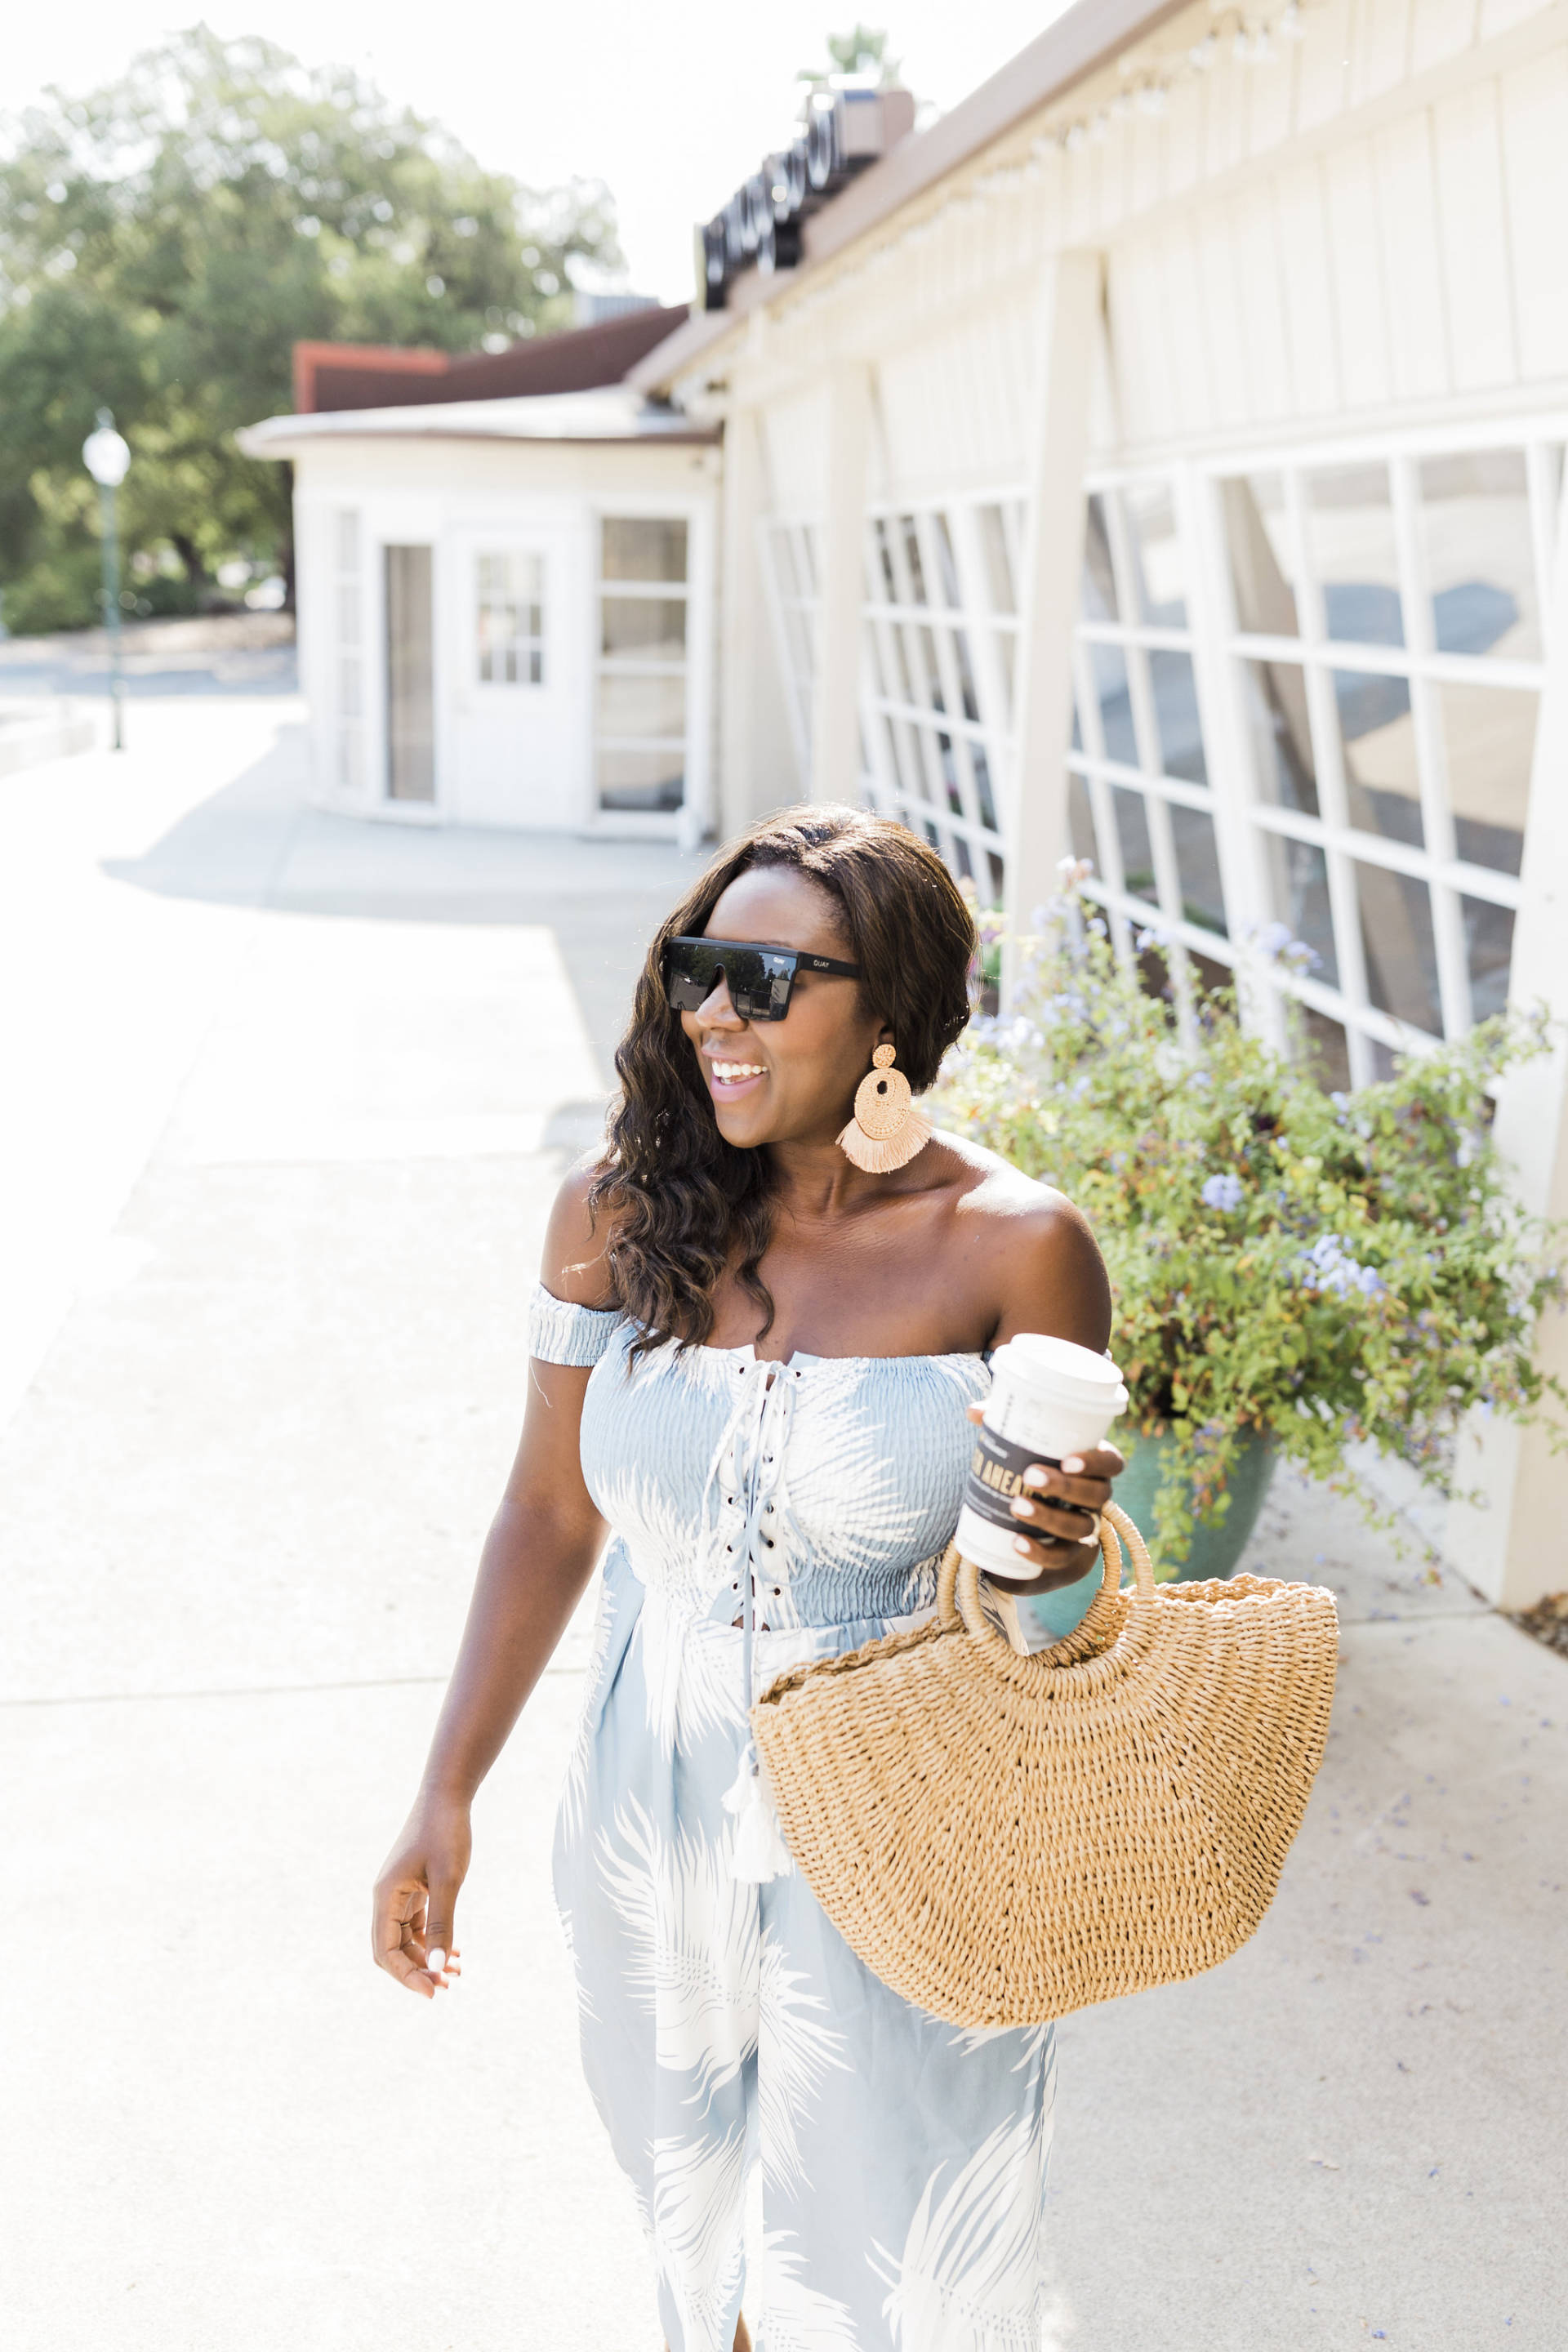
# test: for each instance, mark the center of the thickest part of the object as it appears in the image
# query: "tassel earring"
(887, 1131)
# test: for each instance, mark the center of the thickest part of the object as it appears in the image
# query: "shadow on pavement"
(257, 842)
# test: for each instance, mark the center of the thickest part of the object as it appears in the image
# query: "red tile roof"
(361, 375)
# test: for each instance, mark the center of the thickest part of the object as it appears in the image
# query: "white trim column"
(836, 706)
(1035, 825)
(757, 769)
(1513, 1546)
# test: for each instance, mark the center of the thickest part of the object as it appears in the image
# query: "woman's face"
(791, 1080)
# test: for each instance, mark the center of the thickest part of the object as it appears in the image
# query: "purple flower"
(1222, 1192)
(1329, 1265)
(1276, 942)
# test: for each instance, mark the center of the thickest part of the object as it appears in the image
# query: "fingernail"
(1073, 1465)
(1022, 1510)
(1034, 1475)
(1021, 1543)
(435, 1961)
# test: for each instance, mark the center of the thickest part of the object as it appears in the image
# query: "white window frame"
(350, 648)
(960, 809)
(529, 643)
(687, 668)
(1243, 817)
(1417, 662)
(1133, 918)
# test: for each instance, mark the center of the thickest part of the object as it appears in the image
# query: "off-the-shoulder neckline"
(799, 1357)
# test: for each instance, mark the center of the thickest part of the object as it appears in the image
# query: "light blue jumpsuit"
(726, 2024)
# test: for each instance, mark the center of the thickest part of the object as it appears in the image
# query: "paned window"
(641, 685)
(509, 635)
(1139, 796)
(940, 662)
(1385, 644)
(348, 650)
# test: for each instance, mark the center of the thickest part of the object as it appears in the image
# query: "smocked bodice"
(837, 1479)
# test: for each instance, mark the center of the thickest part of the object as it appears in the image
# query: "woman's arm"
(537, 1559)
(1050, 1278)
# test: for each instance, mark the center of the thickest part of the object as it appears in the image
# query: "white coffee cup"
(1049, 1399)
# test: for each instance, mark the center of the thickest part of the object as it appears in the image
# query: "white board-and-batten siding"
(1361, 230)
(1416, 266)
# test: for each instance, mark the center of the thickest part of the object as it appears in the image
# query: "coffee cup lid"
(1035, 1356)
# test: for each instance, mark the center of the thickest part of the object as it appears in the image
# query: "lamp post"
(107, 458)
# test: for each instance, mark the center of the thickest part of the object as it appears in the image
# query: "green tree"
(163, 244)
(862, 51)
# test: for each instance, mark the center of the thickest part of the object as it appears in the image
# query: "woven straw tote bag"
(1003, 1839)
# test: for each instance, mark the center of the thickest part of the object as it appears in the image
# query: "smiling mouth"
(728, 1075)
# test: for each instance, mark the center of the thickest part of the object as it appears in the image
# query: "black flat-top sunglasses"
(760, 978)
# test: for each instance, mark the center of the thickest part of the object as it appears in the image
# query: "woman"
(754, 1361)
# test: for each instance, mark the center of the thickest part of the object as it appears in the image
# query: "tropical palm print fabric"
(729, 2033)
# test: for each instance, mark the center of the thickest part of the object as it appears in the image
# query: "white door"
(516, 666)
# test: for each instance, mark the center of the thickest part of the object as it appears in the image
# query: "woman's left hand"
(1059, 1521)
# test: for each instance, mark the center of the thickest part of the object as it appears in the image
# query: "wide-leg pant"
(727, 2026)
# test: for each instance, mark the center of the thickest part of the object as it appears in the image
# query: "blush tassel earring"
(887, 1131)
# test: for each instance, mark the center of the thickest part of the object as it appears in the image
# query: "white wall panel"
(1398, 261)
(953, 408)
(1135, 307)
(1105, 431)
(1439, 29)
(1497, 16)
(1473, 230)
(1321, 76)
(1380, 42)
(795, 454)
(1272, 99)
(1226, 298)
(1081, 223)
(1257, 272)
(1412, 272)
(1224, 118)
(1119, 164)
(1359, 305)
(1307, 290)
(1146, 178)
(1535, 165)
(1189, 358)
(1184, 135)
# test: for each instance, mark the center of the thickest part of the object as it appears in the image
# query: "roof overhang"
(612, 414)
(1082, 38)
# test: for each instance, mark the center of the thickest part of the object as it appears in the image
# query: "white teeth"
(738, 1070)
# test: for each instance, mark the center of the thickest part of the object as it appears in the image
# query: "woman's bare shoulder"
(1031, 1248)
(575, 1264)
(992, 1190)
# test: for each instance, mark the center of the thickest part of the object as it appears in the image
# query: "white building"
(506, 603)
(1162, 457)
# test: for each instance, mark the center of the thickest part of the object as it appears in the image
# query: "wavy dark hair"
(682, 1200)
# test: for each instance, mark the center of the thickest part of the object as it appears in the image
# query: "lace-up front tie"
(753, 1447)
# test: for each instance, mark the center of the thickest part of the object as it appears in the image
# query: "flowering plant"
(1323, 1270)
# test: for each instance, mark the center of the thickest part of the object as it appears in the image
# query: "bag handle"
(958, 1580)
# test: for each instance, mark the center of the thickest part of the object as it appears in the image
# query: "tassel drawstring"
(759, 1853)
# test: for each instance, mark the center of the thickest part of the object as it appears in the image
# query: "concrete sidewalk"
(294, 1096)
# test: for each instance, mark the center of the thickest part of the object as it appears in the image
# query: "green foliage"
(861, 51)
(1324, 1269)
(166, 241)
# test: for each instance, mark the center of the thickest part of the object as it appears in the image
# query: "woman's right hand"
(417, 1894)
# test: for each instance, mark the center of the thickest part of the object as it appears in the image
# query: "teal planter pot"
(1216, 1551)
